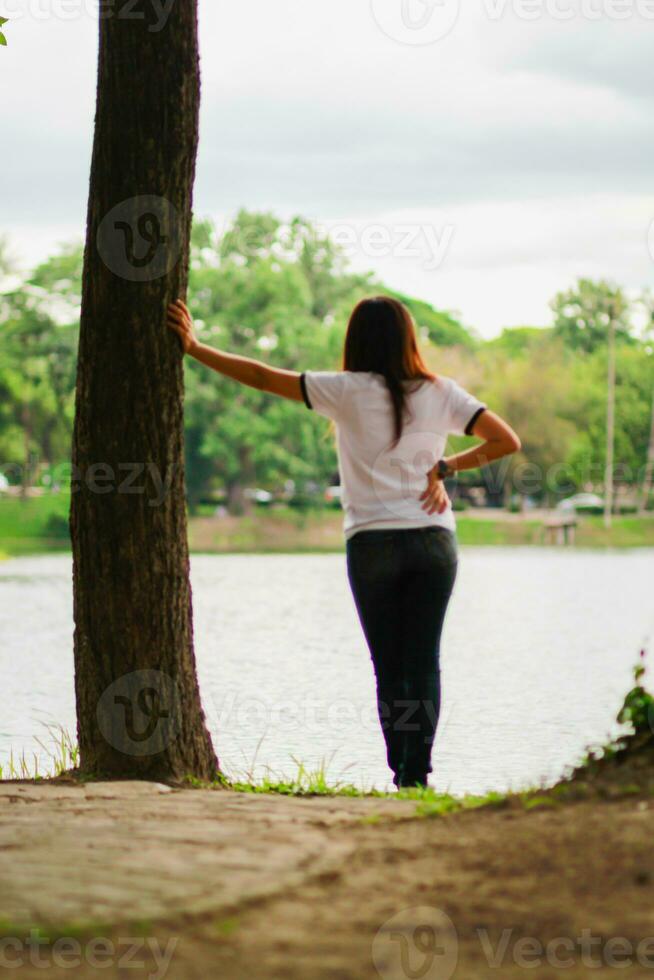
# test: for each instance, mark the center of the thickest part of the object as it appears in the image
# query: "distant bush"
(56, 526)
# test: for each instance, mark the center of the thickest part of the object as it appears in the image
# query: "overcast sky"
(481, 159)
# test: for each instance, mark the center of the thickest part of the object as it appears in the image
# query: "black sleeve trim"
(303, 386)
(469, 427)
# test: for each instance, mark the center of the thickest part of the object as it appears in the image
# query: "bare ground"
(246, 886)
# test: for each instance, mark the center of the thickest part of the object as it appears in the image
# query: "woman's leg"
(374, 572)
(430, 571)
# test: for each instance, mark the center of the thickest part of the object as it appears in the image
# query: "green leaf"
(3, 39)
(3, 20)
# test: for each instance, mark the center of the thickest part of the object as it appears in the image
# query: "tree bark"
(646, 487)
(138, 705)
(610, 428)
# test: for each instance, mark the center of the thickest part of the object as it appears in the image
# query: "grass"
(61, 750)
(36, 525)
(626, 532)
(484, 531)
(311, 784)
(82, 931)
(305, 783)
(308, 783)
(39, 525)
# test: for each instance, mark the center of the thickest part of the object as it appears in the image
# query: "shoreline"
(39, 525)
(321, 533)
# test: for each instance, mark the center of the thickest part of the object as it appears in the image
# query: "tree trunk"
(237, 503)
(138, 705)
(610, 428)
(646, 487)
(26, 478)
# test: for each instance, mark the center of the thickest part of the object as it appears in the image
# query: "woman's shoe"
(411, 782)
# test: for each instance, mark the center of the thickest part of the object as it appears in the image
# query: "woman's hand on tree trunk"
(181, 321)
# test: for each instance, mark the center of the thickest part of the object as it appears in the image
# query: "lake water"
(537, 655)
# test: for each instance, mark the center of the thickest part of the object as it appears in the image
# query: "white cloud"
(532, 139)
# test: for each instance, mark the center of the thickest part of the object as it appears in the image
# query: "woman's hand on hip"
(434, 498)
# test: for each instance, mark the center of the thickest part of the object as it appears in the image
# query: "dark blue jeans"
(402, 581)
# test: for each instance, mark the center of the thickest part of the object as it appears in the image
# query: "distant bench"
(560, 528)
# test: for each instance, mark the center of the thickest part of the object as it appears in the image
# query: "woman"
(392, 419)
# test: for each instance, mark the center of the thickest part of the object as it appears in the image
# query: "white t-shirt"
(381, 484)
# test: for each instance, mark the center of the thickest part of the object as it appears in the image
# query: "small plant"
(638, 707)
(632, 752)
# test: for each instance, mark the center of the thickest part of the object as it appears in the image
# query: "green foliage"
(3, 39)
(638, 708)
(282, 292)
(39, 324)
(31, 518)
(518, 341)
(262, 290)
(582, 315)
(436, 326)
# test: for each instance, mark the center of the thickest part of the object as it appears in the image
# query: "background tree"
(264, 289)
(589, 316)
(583, 314)
(39, 342)
(256, 287)
(138, 704)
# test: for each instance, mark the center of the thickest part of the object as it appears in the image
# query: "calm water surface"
(537, 655)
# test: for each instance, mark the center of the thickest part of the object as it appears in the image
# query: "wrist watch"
(443, 469)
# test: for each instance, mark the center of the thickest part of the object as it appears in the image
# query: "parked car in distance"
(333, 496)
(258, 496)
(588, 502)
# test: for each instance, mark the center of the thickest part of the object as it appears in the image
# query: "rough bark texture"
(132, 596)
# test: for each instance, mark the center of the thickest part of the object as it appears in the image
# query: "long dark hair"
(381, 338)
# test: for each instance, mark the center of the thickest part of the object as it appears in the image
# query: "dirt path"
(200, 883)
